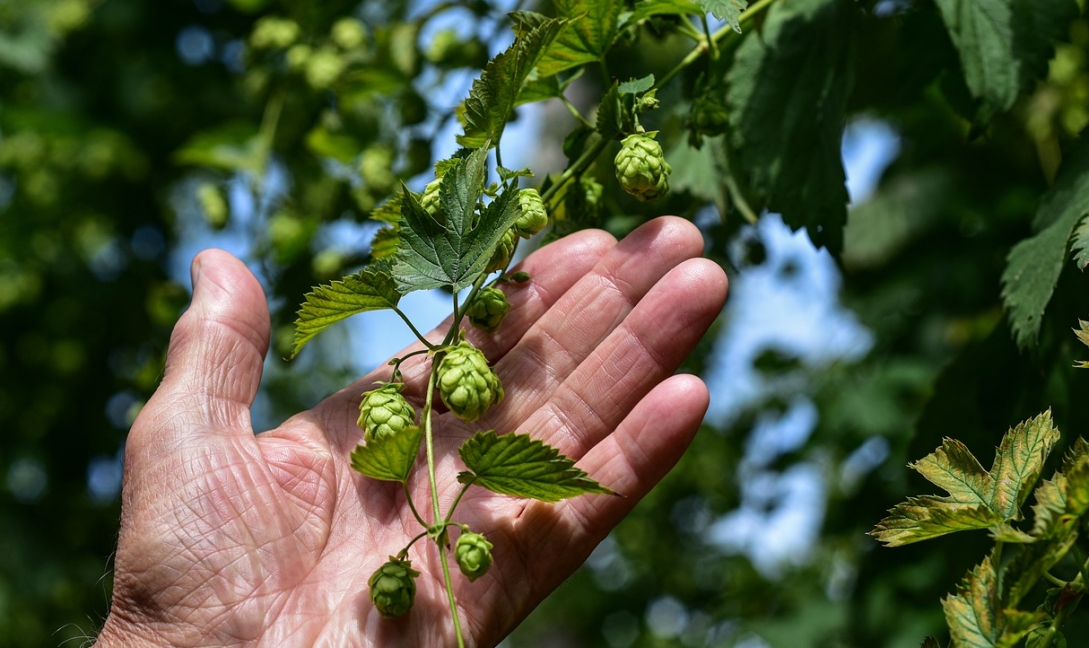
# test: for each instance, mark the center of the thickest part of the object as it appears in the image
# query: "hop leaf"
(385, 412)
(977, 499)
(517, 465)
(488, 309)
(473, 553)
(467, 385)
(393, 588)
(641, 167)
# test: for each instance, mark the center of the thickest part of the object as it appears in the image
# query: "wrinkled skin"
(229, 538)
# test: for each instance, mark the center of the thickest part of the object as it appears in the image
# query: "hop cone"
(504, 252)
(467, 384)
(488, 309)
(534, 215)
(384, 412)
(641, 167)
(473, 553)
(430, 199)
(393, 588)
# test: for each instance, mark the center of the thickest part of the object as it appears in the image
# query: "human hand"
(229, 538)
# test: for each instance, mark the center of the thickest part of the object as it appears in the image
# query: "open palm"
(232, 538)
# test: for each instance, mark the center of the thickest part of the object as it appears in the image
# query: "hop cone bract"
(504, 252)
(488, 309)
(467, 385)
(473, 553)
(393, 588)
(384, 412)
(641, 167)
(534, 215)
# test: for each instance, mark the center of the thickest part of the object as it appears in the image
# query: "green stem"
(581, 164)
(710, 40)
(429, 446)
(415, 331)
(457, 500)
(404, 552)
(575, 112)
(396, 362)
(450, 589)
(412, 507)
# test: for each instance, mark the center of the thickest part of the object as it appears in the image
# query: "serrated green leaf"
(609, 123)
(1004, 45)
(977, 498)
(1080, 244)
(728, 10)
(636, 86)
(494, 94)
(370, 289)
(787, 91)
(390, 457)
(589, 32)
(385, 243)
(453, 255)
(976, 614)
(389, 211)
(1034, 265)
(515, 464)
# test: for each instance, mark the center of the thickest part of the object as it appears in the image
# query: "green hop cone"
(473, 553)
(467, 385)
(488, 309)
(534, 215)
(641, 167)
(393, 588)
(504, 252)
(430, 199)
(384, 412)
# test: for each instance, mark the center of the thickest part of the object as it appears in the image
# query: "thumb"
(217, 350)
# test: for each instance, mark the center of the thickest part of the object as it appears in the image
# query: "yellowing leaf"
(1083, 335)
(977, 617)
(977, 498)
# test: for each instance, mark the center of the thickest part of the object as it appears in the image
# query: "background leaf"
(518, 465)
(1034, 265)
(787, 92)
(728, 10)
(495, 93)
(1004, 44)
(591, 26)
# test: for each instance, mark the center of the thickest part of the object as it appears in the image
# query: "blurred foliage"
(132, 132)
